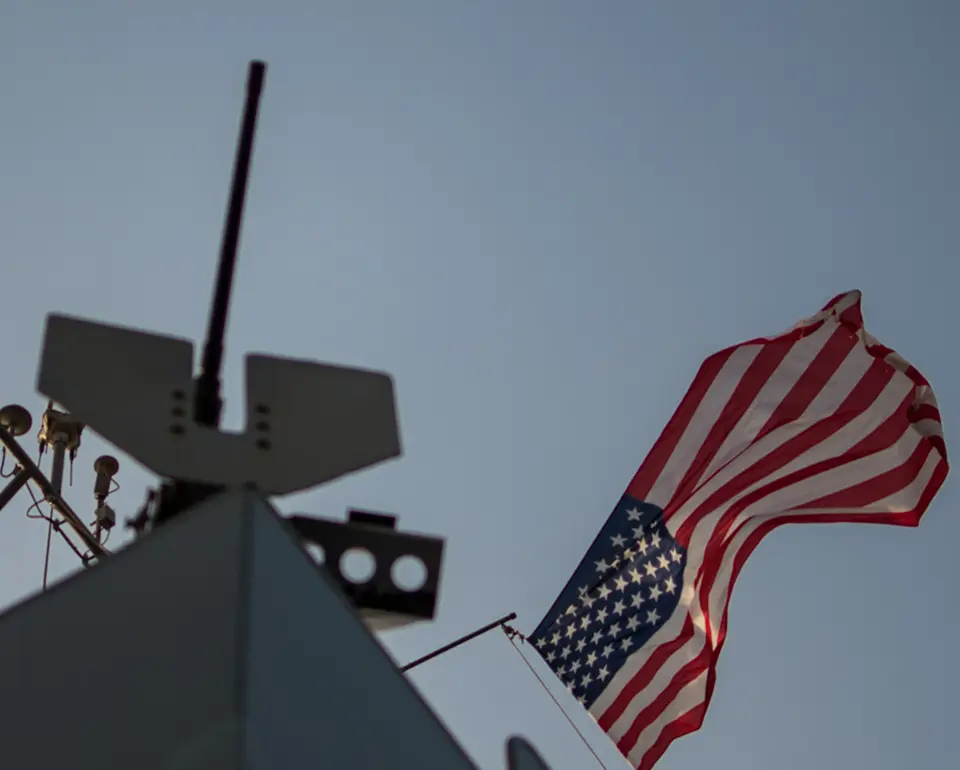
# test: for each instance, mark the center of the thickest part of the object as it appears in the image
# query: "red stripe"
(834, 301)
(858, 400)
(809, 385)
(708, 657)
(881, 486)
(753, 380)
(925, 412)
(908, 518)
(914, 375)
(706, 660)
(719, 548)
(939, 445)
(885, 436)
(863, 394)
(646, 716)
(655, 462)
(645, 675)
(880, 351)
(682, 725)
(898, 518)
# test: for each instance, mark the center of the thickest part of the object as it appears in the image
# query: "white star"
(652, 617)
(571, 610)
(601, 615)
(587, 679)
(565, 653)
(651, 570)
(588, 600)
(575, 666)
(591, 658)
(581, 644)
(602, 566)
(625, 643)
(582, 590)
(551, 657)
(655, 593)
(561, 671)
(541, 643)
(584, 622)
(620, 582)
(635, 576)
(619, 607)
(664, 561)
(607, 652)
(614, 630)
(571, 630)
(638, 535)
(628, 554)
(555, 640)
(602, 674)
(633, 515)
(595, 639)
(636, 600)
(655, 540)
(618, 541)
(632, 623)
(604, 592)
(669, 586)
(675, 554)
(582, 699)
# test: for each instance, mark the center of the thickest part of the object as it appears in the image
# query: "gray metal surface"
(307, 423)
(216, 643)
(131, 664)
(321, 692)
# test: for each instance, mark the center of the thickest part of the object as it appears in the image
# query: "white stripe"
(785, 501)
(735, 456)
(706, 414)
(928, 428)
(779, 502)
(688, 698)
(905, 499)
(771, 395)
(843, 303)
(835, 445)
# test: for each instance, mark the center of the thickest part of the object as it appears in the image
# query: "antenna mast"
(208, 403)
(207, 399)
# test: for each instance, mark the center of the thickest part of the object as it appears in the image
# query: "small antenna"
(207, 400)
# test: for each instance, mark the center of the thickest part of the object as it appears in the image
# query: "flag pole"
(462, 640)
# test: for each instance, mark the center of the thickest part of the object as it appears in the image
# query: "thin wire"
(36, 504)
(46, 559)
(511, 637)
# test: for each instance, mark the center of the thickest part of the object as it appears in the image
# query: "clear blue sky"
(539, 217)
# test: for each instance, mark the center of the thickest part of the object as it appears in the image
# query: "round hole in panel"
(357, 565)
(409, 573)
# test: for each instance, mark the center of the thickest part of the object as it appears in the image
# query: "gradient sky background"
(539, 217)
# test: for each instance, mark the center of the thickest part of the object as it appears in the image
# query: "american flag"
(818, 424)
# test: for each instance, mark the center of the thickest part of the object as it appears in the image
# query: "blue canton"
(627, 586)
